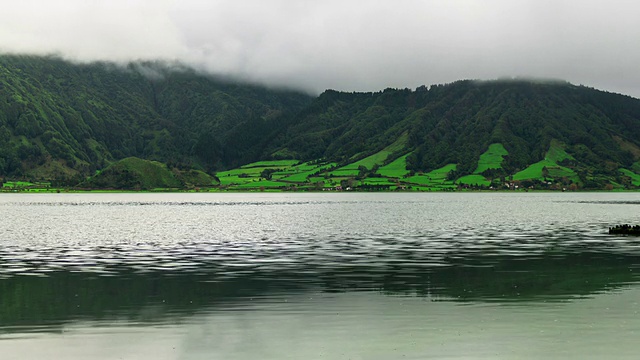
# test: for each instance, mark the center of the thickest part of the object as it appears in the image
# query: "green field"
(280, 175)
(433, 180)
(17, 184)
(271, 164)
(254, 171)
(441, 173)
(377, 181)
(235, 180)
(396, 168)
(249, 173)
(492, 158)
(555, 154)
(474, 180)
(368, 162)
(635, 178)
(301, 173)
(535, 172)
(12, 186)
(289, 173)
(375, 159)
(267, 184)
(343, 172)
(298, 177)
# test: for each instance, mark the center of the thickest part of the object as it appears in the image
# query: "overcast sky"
(345, 44)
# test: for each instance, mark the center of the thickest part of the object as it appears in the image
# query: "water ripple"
(434, 241)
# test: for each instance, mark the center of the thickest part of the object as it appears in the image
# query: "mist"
(343, 45)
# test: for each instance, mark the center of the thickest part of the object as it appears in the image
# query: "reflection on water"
(68, 295)
(168, 265)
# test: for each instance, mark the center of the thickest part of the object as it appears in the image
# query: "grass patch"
(17, 184)
(307, 171)
(263, 183)
(555, 171)
(255, 172)
(288, 170)
(442, 173)
(420, 180)
(344, 172)
(368, 162)
(477, 180)
(558, 172)
(555, 154)
(535, 171)
(635, 178)
(395, 169)
(271, 164)
(298, 178)
(378, 158)
(235, 180)
(377, 181)
(434, 178)
(492, 158)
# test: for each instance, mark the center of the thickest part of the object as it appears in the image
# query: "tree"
(545, 172)
(362, 172)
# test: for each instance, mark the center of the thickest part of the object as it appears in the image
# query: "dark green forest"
(455, 123)
(59, 119)
(64, 122)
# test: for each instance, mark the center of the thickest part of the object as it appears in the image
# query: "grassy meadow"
(383, 170)
(492, 158)
(548, 168)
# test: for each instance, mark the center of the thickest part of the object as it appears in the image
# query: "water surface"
(339, 276)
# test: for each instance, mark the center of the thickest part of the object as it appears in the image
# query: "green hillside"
(491, 159)
(60, 123)
(396, 168)
(137, 174)
(491, 130)
(374, 160)
(549, 168)
(59, 119)
(133, 173)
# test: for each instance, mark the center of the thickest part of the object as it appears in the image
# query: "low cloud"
(344, 45)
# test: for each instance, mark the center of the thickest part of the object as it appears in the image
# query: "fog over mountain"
(344, 45)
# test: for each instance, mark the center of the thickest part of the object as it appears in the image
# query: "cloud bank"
(345, 45)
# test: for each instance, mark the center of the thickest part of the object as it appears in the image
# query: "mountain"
(456, 123)
(65, 122)
(588, 134)
(59, 119)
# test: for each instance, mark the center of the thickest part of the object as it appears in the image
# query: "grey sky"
(345, 44)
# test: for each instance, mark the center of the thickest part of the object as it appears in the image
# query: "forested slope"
(60, 120)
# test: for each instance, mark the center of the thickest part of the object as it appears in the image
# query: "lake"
(318, 276)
